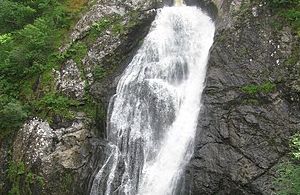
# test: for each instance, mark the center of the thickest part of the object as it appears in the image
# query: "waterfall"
(178, 2)
(152, 118)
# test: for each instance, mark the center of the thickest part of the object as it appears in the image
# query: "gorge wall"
(251, 100)
(250, 103)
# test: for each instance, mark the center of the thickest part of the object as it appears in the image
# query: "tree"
(14, 15)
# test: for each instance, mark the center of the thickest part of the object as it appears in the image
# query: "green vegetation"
(114, 23)
(288, 182)
(294, 57)
(99, 27)
(118, 27)
(67, 181)
(289, 10)
(286, 13)
(265, 88)
(76, 51)
(22, 179)
(102, 24)
(11, 115)
(30, 35)
(296, 146)
(251, 102)
(99, 73)
(53, 104)
(284, 3)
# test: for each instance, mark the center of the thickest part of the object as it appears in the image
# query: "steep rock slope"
(62, 155)
(250, 103)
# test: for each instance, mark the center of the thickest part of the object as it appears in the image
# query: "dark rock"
(241, 138)
(4, 163)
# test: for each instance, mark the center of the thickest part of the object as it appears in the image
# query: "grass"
(253, 89)
(288, 181)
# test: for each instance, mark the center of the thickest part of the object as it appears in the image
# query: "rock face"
(58, 155)
(66, 153)
(250, 104)
(110, 7)
(242, 135)
(69, 80)
(121, 25)
(33, 141)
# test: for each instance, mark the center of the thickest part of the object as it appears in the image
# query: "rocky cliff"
(250, 103)
(61, 155)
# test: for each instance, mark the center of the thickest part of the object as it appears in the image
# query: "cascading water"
(152, 118)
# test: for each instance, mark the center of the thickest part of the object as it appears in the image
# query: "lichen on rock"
(69, 80)
(33, 142)
(52, 151)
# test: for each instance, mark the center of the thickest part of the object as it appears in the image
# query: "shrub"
(5, 38)
(284, 3)
(30, 35)
(288, 182)
(53, 104)
(21, 178)
(14, 15)
(12, 115)
(296, 146)
(289, 11)
(99, 73)
(252, 89)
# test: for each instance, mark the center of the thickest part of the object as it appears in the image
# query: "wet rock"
(113, 60)
(242, 137)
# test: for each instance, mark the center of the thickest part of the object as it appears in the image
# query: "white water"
(153, 116)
